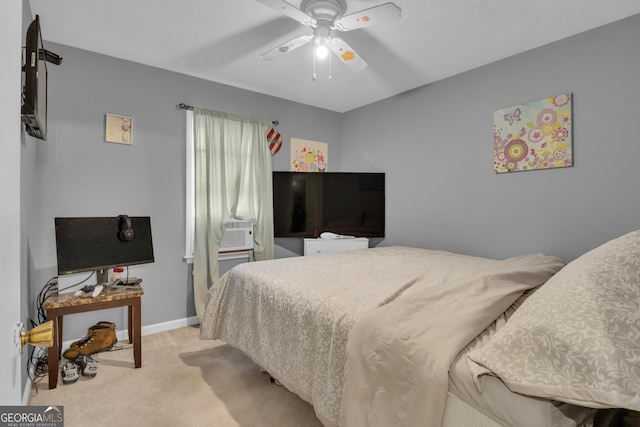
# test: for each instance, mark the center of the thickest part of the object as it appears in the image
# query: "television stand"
(66, 303)
(325, 246)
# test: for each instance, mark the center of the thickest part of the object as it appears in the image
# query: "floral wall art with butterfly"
(535, 135)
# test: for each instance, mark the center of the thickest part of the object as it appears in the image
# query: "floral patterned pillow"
(577, 338)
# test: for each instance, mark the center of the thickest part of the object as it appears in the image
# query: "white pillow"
(577, 338)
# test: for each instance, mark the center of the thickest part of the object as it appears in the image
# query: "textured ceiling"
(221, 40)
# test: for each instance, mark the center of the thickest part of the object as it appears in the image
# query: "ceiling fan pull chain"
(314, 65)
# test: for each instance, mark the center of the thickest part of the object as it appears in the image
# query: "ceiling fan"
(324, 16)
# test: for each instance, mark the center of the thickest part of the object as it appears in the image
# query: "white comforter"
(293, 316)
(398, 356)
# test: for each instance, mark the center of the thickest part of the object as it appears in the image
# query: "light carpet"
(183, 381)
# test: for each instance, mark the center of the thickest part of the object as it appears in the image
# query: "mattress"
(458, 413)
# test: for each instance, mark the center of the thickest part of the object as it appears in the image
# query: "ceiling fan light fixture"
(322, 48)
(322, 52)
(322, 38)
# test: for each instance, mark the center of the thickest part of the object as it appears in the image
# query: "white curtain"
(232, 180)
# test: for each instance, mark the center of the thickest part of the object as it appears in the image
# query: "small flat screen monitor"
(99, 243)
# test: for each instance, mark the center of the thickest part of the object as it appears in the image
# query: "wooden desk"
(66, 303)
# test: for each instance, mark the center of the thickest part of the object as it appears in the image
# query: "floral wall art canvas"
(535, 135)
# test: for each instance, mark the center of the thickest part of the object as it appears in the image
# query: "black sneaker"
(69, 373)
(88, 366)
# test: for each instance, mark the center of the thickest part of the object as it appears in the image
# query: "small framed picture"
(119, 129)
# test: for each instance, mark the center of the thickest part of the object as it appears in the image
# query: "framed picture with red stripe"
(274, 139)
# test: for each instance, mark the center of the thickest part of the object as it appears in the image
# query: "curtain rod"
(182, 106)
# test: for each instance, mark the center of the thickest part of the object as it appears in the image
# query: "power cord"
(51, 288)
(39, 361)
(38, 365)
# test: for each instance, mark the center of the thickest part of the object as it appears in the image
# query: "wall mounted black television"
(306, 204)
(100, 243)
(34, 95)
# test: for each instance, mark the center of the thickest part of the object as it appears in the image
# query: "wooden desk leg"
(135, 328)
(60, 324)
(53, 353)
(130, 323)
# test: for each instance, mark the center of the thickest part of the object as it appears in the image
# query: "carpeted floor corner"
(183, 381)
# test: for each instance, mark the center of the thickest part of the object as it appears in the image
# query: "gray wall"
(435, 144)
(78, 174)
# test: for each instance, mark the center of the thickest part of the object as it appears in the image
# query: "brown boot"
(99, 324)
(101, 337)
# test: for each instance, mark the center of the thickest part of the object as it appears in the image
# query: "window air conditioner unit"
(238, 236)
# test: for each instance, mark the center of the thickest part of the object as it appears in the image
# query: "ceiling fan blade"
(347, 55)
(365, 18)
(286, 47)
(291, 11)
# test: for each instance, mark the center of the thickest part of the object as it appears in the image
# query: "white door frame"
(11, 375)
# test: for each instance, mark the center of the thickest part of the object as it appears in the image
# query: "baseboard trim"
(167, 326)
(122, 335)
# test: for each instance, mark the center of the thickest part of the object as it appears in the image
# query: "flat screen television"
(34, 95)
(100, 243)
(306, 204)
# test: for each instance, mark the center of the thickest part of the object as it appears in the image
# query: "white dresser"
(324, 246)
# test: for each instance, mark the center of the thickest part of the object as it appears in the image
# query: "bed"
(409, 336)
